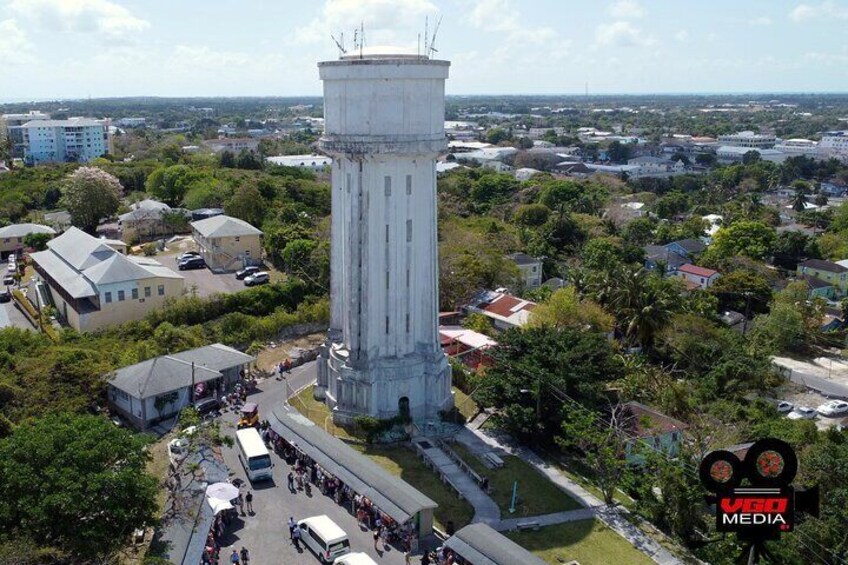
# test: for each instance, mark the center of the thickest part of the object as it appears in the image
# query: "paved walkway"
(546, 520)
(485, 509)
(613, 516)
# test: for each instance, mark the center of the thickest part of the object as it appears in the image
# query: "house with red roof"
(649, 429)
(505, 310)
(696, 276)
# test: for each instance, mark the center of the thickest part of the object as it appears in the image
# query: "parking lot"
(202, 282)
(265, 534)
(10, 316)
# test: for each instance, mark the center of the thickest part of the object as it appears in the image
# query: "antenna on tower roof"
(361, 37)
(339, 43)
(433, 39)
(426, 37)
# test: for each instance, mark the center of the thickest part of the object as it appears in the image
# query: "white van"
(254, 455)
(324, 537)
(355, 559)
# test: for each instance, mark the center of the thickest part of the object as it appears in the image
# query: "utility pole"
(191, 392)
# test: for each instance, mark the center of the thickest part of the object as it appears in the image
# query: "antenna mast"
(339, 43)
(426, 37)
(362, 37)
(433, 39)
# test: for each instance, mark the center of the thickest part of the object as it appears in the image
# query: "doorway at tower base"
(417, 385)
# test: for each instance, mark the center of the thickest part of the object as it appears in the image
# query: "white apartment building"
(10, 127)
(748, 139)
(796, 147)
(61, 141)
(316, 163)
(834, 144)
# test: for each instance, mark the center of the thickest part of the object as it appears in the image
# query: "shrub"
(149, 249)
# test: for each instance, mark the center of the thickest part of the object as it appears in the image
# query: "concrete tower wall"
(384, 127)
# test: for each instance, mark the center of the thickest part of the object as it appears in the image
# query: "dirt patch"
(277, 352)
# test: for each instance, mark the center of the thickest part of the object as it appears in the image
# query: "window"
(387, 324)
(387, 280)
(387, 233)
(237, 239)
(409, 230)
(161, 290)
(388, 185)
(122, 295)
(407, 323)
(407, 278)
(135, 294)
(147, 292)
(107, 297)
(408, 185)
(533, 269)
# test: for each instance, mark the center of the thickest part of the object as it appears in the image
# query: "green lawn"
(536, 494)
(403, 462)
(318, 412)
(465, 404)
(586, 541)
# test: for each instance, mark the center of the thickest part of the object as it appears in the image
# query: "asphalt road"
(824, 386)
(265, 534)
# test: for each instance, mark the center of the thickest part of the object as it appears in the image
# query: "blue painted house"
(650, 429)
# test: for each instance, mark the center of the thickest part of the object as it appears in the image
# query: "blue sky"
(98, 48)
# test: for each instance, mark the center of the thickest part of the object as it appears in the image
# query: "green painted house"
(826, 271)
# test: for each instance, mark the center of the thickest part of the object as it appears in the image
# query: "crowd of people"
(305, 472)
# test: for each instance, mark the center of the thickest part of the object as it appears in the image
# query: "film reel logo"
(766, 506)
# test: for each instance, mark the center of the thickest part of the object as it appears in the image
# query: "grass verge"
(465, 404)
(318, 412)
(404, 463)
(537, 495)
(586, 541)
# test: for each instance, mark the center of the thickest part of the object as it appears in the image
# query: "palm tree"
(799, 201)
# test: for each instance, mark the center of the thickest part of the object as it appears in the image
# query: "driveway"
(10, 317)
(203, 280)
(265, 533)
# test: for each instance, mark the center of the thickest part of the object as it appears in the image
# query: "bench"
(521, 526)
(494, 460)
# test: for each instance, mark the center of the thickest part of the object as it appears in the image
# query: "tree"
(619, 152)
(531, 215)
(171, 184)
(564, 309)
(497, 135)
(794, 321)
(247, 204)
(794, 246)
(742, 290)
(639, 231)
(799, 201)
(227, 160)
(745, 237)
(533, 367)
(37, 241)
(705, 159)
(751, 157)
(478, 323)
(90, 195)
(601, 439)
(248, 160)
(75, 482)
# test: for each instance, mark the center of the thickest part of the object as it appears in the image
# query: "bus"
(253, 455)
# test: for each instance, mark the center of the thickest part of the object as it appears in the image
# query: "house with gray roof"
(146, 220)
(227, 243)
(530, 268)
(12, 237)
(93, 286)
(156, 389)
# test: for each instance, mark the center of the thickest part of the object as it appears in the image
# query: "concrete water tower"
(384, 112)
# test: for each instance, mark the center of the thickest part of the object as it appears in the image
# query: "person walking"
(292, 528)
(245, 556)
(296, 538)
(234, 558)
(248, 499)
(291, 482)
(240, 502)
(376, 537)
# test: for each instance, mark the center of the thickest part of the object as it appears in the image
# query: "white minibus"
(253, 455)
(324, 537)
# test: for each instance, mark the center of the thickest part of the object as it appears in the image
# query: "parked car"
(207, 406)
(246, 272)
(8, 280)
(354, 559)
(186, 255)
(257, 278)
(833, 408)
(785, 407)
(802, 413)
(5, 295)
(192, 263)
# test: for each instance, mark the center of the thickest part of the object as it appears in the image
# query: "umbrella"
(218, 505)
(223, 491)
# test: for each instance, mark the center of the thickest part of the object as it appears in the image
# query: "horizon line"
(25, 100)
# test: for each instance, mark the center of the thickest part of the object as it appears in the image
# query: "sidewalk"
(613, 516)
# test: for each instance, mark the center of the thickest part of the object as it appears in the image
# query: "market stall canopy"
(479, 544)
(223, 491)
(392, 495)
(217, 505)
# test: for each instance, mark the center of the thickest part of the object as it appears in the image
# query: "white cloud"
(682, 36)
(81, 16)
(761, 21)
(15, 48)
(626, 9)
(395, 22)
(622, 33)
(826, 9)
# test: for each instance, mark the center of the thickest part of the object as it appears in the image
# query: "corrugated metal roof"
(224, 226)
(480, 544)
(389, 493)
(22, 230)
